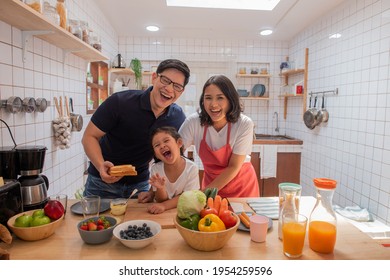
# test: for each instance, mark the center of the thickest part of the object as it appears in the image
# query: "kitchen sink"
(275, 139)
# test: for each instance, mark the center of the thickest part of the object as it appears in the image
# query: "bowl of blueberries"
(137, 234)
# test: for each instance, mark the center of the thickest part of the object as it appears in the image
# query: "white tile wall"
(353, 147)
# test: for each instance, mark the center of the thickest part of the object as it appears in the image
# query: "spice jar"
(323, 221)
(96, 43)
(51, 14)
(37, 5)
(75, 28)
(289, 198)
(62, 11)
(85, 31)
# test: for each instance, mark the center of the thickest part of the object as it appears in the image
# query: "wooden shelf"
(121, 71)
(31, 22)
(291, 72)
(267, 76)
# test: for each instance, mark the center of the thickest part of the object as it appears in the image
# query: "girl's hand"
(156, 208)
(145, 197)
(157, 181)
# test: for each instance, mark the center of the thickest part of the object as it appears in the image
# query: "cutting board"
(138, 211)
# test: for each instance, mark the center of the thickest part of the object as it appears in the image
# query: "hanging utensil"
(76, 119)
(310, 116)
(324, 112)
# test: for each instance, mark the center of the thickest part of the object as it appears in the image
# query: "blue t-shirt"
(128, 120)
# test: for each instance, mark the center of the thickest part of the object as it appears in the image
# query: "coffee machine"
(34, 185)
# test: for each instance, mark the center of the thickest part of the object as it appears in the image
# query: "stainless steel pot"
(323, 113)
(310, 117)
(76, 119)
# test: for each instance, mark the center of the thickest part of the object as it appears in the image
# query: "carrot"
(217, 202)
(210, 202)
(244, 220)
(224, 205)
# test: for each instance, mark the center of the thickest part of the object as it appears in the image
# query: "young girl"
(171, 174)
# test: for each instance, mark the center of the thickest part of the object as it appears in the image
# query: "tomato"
(228, 218)
(208, 210)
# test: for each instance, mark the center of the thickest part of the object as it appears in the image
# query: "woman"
(223, 137)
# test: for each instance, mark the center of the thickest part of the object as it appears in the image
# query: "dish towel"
(355, 213)
(268, 162)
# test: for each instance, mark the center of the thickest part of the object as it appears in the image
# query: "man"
(119, 130)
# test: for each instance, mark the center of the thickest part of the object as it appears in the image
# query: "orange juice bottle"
(323, 221)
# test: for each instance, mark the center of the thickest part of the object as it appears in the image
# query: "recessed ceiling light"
(334, 36)
(267, 5)
(152, 28)
(266, 32)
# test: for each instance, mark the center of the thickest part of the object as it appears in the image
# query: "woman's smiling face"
(216, 105)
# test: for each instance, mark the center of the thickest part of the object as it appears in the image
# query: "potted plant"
(136, 66)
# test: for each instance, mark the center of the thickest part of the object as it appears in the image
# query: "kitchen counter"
(267, 139)
(66, 243)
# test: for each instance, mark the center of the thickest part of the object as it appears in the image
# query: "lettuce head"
(190, 203)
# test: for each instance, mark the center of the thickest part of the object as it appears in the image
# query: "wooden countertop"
(66, 243)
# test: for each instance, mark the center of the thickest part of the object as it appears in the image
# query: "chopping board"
(138, 211)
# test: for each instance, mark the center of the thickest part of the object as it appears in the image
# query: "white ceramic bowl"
(99, 236)
(155, 228)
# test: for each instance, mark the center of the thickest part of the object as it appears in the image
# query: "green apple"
(40, 221)
(38, 213)
(23, 221)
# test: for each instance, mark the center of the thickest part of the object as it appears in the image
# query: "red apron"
(245, 183)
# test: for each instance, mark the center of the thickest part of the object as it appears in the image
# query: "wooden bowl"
(206, 241)
(33, 233)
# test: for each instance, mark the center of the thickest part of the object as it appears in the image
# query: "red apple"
(54, 209)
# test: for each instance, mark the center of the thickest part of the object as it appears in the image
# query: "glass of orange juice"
(294, 232)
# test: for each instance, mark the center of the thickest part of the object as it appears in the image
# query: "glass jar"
(289, 199)
(323, 221)
(63, 13)
(85, 31)
(95, 43)
(37, 5)
(75, 28)
(51, 14)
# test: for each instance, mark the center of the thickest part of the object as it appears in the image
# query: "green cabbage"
(190, 202)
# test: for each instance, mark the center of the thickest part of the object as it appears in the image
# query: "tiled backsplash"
(353, 147)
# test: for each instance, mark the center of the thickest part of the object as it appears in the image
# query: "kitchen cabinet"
(288, 170)
(33, 23)
(97, 89)
(293, 72)
(246, 78)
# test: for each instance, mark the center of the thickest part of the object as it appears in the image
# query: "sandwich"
(122, 170)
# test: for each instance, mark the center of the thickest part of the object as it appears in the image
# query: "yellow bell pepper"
(211, 223)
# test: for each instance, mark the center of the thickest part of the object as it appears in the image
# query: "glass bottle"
(323, 221)
(63, 12)
(289, 198)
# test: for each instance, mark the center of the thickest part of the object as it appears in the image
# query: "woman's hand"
(157, 181)
(156, 208)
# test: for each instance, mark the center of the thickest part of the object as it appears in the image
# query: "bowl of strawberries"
(97, 230)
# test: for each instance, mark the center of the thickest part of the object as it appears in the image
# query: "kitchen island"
(66, 244)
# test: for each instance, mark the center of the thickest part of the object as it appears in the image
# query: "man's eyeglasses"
(166, 81)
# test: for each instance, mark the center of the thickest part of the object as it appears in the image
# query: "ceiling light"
(267, 5)
(334, 36)
(152, 28)
(266, 32)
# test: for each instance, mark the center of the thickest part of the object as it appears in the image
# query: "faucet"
(277, 121)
